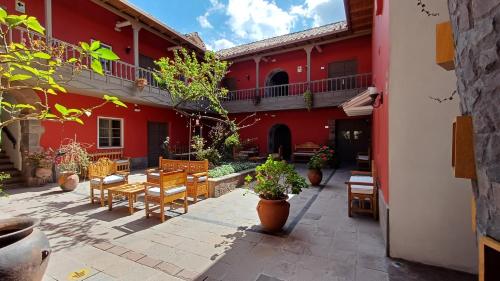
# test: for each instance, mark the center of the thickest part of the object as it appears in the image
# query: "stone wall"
(476, 28)
(220, 186)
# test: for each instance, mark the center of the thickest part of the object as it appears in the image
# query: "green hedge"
(229, 168)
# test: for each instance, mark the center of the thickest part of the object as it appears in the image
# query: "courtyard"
(218, 239)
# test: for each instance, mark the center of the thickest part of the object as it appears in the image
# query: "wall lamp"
(377, 99)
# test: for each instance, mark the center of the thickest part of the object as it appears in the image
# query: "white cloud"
(203, 21)
(320, 11)
(258, 19)
(220, 44)
(215, 5)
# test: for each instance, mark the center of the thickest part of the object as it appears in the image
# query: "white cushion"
(362, 189)
(155, 191)
(363, 157)
(154, 175)
(121, 161)
(109, 179)
(200, 179)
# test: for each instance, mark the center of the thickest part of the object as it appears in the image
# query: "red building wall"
(380, 145)
(304, 125)
(81, 21)
(34, 8)
(358, 48)
(135, 124)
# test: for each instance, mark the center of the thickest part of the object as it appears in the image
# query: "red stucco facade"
(305, 126)
(380, 131)
(358, 49)
(135, 135)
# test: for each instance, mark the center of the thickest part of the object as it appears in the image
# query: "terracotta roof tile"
(283, 40)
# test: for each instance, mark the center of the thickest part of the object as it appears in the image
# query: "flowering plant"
(276, 179)
(44, 159)
(325, 154)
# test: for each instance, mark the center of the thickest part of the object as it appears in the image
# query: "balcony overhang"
(360, 105)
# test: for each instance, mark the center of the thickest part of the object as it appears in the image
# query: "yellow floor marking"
(79, 274)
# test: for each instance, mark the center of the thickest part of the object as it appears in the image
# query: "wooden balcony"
(119, 77)
(326, 93)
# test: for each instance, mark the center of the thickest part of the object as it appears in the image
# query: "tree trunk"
(476, 28)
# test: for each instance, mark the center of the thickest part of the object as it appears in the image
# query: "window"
(110, 134)
(107, 66)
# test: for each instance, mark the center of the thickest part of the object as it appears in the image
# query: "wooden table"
(128, 190)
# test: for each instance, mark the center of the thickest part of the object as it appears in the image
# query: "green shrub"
(229, 168)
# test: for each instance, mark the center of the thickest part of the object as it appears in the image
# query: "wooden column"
(136, 28)
(48, 19)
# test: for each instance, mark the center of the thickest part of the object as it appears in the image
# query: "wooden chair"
(171, 187)
(362, 190)
(122, 163)
(363, 159)
(103, 174)
(197, 175)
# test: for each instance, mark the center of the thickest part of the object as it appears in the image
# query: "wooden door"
(157, 132)
(341, 69)
(352, 136)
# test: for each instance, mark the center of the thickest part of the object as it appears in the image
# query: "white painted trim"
(122, 129)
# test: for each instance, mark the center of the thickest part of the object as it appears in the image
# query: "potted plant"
(323, 156)
(315, 175)
(43, 162)
(308, 100)
(141, 83)
(73, 160)
(275, 180)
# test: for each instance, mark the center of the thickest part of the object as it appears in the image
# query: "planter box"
(222, 185)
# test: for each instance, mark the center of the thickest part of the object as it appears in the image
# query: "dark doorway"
(352, 136)
(277, 83)
(342, 69)
(280, 136)
(157, 132)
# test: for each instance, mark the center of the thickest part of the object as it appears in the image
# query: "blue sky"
(225, 23)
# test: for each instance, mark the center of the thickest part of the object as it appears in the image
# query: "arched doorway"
(280, 136)
(277, 82)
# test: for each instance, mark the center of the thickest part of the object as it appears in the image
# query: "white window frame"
(122, 126)
(107, 65)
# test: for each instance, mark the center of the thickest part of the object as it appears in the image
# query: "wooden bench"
(171, 186)
(246, 152)
(103, 175)
(305, 151)
(197, 175)
(122, 163)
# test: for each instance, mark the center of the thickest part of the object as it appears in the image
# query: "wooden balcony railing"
(117, 69)
(352, 82)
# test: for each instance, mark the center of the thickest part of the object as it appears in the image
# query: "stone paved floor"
(218, 239)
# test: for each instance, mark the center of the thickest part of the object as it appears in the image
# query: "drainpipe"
(48, 19)
(136, 28)
(308, 50)
(257, 72)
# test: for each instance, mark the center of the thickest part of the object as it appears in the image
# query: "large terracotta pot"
(273, 213)
(68, 181)
(24, 250)
(315, 176)
(43, 173)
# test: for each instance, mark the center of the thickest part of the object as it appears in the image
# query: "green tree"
(33, 63)
(196, 92)
(37, 64)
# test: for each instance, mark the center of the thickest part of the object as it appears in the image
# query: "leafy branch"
(424, 9)
(439, 100)
(34, 64)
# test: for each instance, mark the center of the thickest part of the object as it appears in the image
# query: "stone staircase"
(6, 166)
